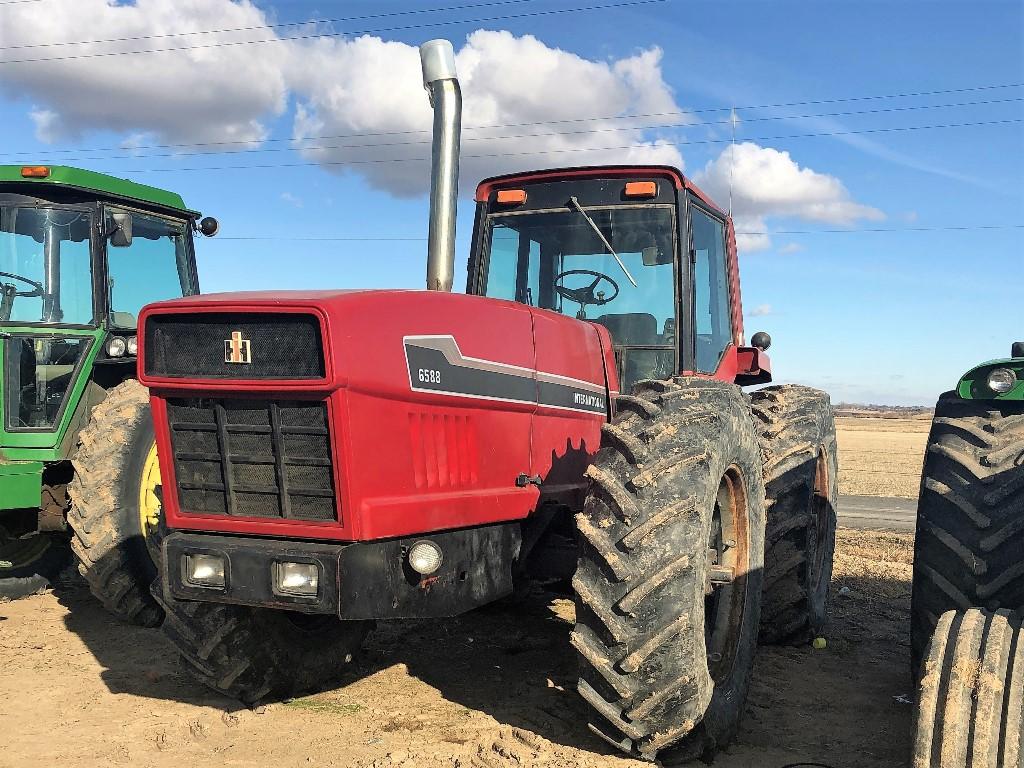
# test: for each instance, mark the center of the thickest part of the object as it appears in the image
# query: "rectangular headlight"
(296, 579)
(206, 571)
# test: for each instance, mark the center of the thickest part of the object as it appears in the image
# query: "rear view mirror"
(121, 229)
(653, 256)
(1017, 349)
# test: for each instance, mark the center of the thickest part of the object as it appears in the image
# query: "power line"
(675, 113)
(572, 150)
(319, 35)
(280, 25)
(507, 137)
(410, 238)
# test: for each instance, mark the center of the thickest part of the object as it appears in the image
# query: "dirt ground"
(881, 456)
(492, 689)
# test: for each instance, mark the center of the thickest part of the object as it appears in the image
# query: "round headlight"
(133, 345)
(116, 346)
(1001, 380)
(425, 557)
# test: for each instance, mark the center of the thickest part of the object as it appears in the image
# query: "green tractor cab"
(80, 254)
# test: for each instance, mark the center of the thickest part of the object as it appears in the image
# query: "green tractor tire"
(30, 565)
(970, 516)
(116, 504)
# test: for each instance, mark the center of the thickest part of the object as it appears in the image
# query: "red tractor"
(334, 457)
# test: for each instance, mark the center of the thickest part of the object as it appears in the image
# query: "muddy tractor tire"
(970, 709)
(669, 577)
(801, 477)
(259, 654)
(113, 475)
(970, 515)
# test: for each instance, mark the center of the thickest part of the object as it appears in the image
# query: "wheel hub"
(17, 553)
(150, 491)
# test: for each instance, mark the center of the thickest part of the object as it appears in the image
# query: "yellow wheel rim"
(149, 497)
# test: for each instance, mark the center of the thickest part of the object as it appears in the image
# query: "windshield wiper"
(576, 204)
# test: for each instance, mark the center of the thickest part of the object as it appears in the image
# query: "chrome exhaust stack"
(442, 84)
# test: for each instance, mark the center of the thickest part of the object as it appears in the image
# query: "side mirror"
(209, 226)
(1017, 350)
(121, 229)
(761, 340)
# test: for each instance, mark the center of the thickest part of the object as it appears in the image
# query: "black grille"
(252, 458)
(280, 346)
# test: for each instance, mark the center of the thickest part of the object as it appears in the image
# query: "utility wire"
(499, 137)
(593, 118)
(411, 238)
(320, 35)
(572, 150)
(280, 25)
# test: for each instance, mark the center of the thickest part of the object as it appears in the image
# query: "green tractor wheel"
(29, 565)
(116, 505)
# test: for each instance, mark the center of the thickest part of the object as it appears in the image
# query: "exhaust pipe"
(438, 60)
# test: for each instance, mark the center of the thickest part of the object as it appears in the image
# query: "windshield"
(556, 260)
(45, 265)
(155, 267)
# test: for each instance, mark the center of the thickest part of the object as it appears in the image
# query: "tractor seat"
(631, 328)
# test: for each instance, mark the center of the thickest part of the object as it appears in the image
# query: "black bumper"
(364, 580)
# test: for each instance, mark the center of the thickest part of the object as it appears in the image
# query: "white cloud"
(369, 85)
(291, 199)
(761, 310)
(768, 182)
(213, 93)
(790, 248)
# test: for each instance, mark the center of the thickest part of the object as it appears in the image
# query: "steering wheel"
(588, 294)
(37, 287)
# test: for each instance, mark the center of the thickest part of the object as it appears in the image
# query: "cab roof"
(486, 186)
(112, 187)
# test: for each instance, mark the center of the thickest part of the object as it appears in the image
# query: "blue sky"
(886, 317)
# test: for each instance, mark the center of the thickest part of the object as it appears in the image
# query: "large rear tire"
(970, 516)
(668, 583)
(970, 711)
(254, 654)
(115, 496)
(801, 476)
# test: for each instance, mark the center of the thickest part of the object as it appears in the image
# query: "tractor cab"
(80, 254)
(640, 251)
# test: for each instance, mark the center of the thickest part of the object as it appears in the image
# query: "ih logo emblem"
(236, 349)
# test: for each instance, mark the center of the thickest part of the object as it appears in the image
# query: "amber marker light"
(641, 189)
(34, 171)
(511, 196)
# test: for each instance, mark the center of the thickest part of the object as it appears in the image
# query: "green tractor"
(80, 254)
(967, 639)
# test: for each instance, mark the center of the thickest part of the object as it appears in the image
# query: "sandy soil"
(881, 456)
(492, 689)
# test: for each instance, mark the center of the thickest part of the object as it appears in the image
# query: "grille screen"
(277, 346)
(252, 458)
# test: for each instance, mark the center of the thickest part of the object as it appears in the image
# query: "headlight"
(296, 579)
(1001, 380)
(133, 345)
(116, 346)
(206, 571)
(425, 557)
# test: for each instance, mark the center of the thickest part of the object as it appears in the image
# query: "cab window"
(712, 316)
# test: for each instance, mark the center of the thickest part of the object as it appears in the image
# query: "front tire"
(668, 584)
(110, 515)
(253, 654)
(29, 566)
(970, 709)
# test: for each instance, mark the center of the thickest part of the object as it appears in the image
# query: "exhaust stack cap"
(438, 60)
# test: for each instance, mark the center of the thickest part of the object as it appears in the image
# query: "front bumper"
(363, 580)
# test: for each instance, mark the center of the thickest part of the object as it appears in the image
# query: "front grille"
(278, 346)
(252, 458)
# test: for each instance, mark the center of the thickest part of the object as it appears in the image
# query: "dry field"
(881, 456)
(491, 689)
